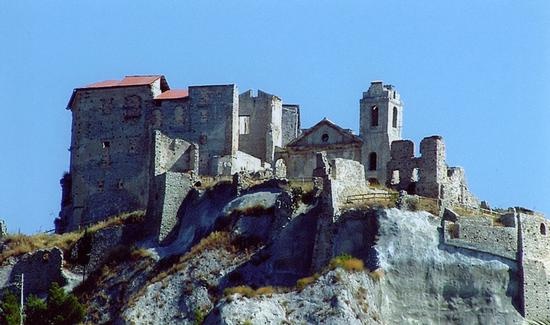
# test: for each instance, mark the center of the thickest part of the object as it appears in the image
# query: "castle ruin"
(127, 133)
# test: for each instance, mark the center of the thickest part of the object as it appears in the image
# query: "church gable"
(325, 133)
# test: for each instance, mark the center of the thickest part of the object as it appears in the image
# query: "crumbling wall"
(290, 123)
(213, 112)
(427, 175)
(260, 128)
(231, 164)
(40, 268)
(176, 155)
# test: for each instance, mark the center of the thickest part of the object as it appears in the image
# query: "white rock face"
(425, 283)
(338, 297)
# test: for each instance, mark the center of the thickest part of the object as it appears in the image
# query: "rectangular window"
(244, 124)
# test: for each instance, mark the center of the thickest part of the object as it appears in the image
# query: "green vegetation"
(198, 316)
(9, 314)
(346, 262)
(59, 308)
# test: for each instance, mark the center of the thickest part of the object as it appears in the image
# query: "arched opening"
(394, 117)
(374, 116)
(372, 161)
(395, 179)
(543, 229)
(324, 137)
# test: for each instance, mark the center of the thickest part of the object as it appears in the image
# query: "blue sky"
(475, 72)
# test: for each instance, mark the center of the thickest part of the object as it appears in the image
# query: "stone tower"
(381, 122)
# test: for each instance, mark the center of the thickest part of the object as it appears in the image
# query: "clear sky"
(475, 72)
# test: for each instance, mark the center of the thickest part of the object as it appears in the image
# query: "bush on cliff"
(9, 313)
(60, 308)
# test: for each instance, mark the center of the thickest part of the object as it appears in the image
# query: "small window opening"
(414, 175)
(543, 229)
(244, 124)
(372, 161)
(374, 116)
(120, 184)
(394, 119)
(395, 177)
(106, 144)
(324, 137)
(100, 186)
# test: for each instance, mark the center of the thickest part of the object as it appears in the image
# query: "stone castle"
(136, 144)
(127, 132)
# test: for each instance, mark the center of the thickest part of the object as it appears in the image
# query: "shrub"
(198, 316)
(60, 308)
(35, 310)
(304, 282)
(347, 262)
(9, 309)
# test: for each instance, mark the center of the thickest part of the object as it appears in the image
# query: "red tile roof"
(127, 81)
(173, 94)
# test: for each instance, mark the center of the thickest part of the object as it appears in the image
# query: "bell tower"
(381, 123)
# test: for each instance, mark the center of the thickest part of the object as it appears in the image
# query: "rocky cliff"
(263, 255)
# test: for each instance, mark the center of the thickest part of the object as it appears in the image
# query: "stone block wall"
(260, 124)
(535, 245)
(40, 268)
(231, 164)
(381, 123)
(109, 151)
(167, 195)
(475, 234)
(427, 175)
(290, 123)
(214, 118)
(176, 155)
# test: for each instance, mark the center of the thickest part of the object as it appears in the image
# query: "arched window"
(394, 120)
(374, 116)
(372, 161)
(543, 229)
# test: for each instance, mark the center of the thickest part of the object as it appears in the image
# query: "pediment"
(325, 133)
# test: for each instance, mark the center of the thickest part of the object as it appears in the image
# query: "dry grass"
(244, 291)
(347, 263)
(248, 292)
(216, 240)
(19, 244)
(304, 282)
(377, 274)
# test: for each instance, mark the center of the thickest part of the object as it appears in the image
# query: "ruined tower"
(381, 122)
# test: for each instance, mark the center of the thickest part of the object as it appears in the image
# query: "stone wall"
(169, 191)
(260, 129)
(176, 155)
(535, 245)
(290, 123)
(475, 234)
(109, 151)
(381, 123)
(40, 268)
(427, 175)
(231, 164)
(213, 114)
